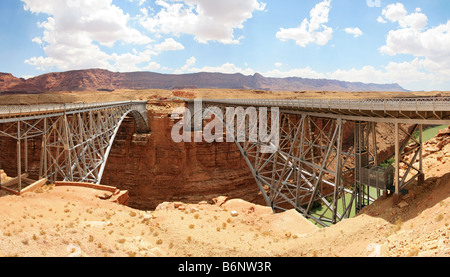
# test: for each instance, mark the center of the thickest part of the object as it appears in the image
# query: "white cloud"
(380, 19)
(409, 75)
(140, 3)
(187, 67)
(99, 21)
(429, 45)
(75, 30)
(169, 45)
(356, 32)
(206, 20)
(306, 72)
(394, 12)
(278, 64)
(397, 13)
(313, 30)
(129, 62)
(227, 68)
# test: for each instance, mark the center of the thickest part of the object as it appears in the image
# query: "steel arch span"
(76, 138)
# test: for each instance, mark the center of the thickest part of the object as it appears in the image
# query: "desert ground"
(67, 221)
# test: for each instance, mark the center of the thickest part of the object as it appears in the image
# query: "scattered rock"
(75, 250)
(156, 252)
(374, 249)
(220, 200)
(105, 196)
(165, 206)
(176, 205)
(403, 204)
(234, 213)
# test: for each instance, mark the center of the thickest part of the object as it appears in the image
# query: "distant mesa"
(104, 80)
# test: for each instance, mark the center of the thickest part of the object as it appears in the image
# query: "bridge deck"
(10, 113)
(424, 110)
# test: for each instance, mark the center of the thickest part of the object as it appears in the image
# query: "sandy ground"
(74, 221)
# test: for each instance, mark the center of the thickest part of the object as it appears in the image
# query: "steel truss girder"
(75, 143)
(309, 169)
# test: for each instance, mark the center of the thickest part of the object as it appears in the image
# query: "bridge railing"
(382, 104)
(10, 110)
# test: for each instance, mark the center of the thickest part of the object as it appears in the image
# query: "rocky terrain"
(79, 221)
(99, 79)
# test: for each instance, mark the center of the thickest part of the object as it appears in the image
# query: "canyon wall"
(154, 169)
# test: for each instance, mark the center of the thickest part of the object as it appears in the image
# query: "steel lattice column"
(413, 168)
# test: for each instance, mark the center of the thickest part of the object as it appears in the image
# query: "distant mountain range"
(99, 79)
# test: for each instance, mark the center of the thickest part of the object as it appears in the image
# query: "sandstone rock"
(220, 200)
(105, 196)
(177, 205)
(403, 204)
(165, 206)
(156, 252)
(444, 132)
(75, 250)
(374, 250)
(194, 209)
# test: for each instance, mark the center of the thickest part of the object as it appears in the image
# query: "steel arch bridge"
(313, 166)
(76, 138)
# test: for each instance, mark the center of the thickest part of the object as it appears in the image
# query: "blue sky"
(371, 41)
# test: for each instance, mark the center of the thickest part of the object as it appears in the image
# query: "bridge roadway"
(420, 110)
(13, 113)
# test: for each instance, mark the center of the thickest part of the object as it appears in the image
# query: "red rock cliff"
(154, 169)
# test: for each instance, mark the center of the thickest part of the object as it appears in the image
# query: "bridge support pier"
(408, 158)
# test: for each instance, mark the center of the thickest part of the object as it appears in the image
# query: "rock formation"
(99, 79)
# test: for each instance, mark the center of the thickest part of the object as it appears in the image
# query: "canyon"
(199, 199)
(152, 167)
